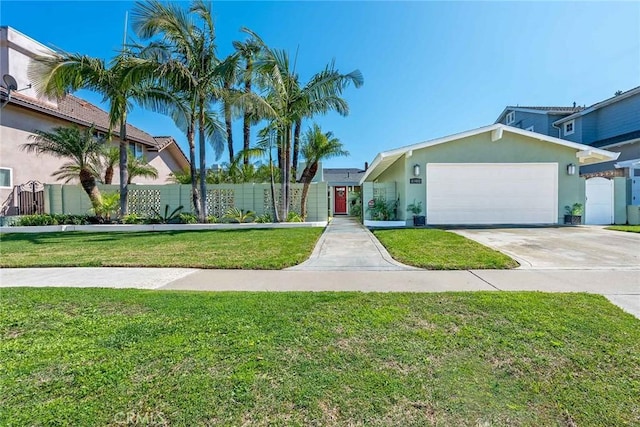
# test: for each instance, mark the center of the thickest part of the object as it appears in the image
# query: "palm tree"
(62, 73)
(139, 168)
(249, 52)
(317, 146)
(291, 103)
(190, 70)
(80, 146)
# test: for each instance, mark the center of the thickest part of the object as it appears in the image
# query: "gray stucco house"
(496, 174)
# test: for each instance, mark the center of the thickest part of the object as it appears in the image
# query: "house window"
(6, 178)
(530, 128)
(511, 117)
(569, 127)
(137, 149)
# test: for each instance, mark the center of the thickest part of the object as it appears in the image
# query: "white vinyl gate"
(599, 201)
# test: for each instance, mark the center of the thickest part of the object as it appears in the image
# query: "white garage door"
(492, 193)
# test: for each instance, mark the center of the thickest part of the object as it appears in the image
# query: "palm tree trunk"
(192, 168)
(228, 124)
(203, 166)
(124, 150)
(296, 148)
(108, 175)
(246, 124)
(286, 171)
(88, 182)
(307, 176)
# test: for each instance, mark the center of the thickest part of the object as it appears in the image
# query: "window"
(136, 149)
(530, 128)
(569, 127)
(511, 117)
(6, 178)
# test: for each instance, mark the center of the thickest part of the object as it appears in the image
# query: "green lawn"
(440, 250)
(246, 249)
(85, 357)
(629, 228)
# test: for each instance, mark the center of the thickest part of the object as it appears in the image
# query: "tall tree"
(292, 102)
(62, 73)
(249, 51)
(190, 70)
(316, 146)
(80, 146)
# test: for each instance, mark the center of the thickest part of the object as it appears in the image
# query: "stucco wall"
(480, 149)
(17, 125)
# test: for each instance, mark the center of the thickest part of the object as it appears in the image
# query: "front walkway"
(346, 245)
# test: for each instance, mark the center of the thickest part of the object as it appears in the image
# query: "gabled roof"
(585, 153)
(84, 113)
(596, 106)
(539, 110)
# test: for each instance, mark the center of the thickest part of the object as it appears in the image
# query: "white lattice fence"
(219, 201)
(295, 199)
(144, 201)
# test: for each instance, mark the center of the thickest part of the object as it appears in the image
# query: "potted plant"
(416, 210)
(573, 214)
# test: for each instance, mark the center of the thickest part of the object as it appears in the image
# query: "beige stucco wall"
(512, 148)
(17, 125)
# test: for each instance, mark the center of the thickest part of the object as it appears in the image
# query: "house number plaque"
(415, 180)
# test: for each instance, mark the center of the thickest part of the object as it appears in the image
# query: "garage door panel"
(496, 193)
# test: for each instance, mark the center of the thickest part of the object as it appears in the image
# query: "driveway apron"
(346, 245)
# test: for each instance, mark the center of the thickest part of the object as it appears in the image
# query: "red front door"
(340, 200)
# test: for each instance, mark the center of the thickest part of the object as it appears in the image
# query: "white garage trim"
(492, 193)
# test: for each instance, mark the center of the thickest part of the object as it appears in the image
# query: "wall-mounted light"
(571, 169)
(416, 170)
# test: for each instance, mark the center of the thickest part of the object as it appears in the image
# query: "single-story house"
(495, 174)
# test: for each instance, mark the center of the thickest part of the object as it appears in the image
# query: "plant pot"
(573, 219)
(419, 220)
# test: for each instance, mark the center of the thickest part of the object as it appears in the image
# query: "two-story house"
(536, 119)
(612, 124)
(22, 112)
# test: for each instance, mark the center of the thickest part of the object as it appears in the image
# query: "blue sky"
(430, 68)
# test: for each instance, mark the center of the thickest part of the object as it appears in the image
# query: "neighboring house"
(23, 112)
(496, 174)
(612, 124)
(536, 119)
(342, 182)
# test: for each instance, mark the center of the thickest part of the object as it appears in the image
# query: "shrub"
(383, 210)
(133, 218)
(48, 219)
(294, 217)
(167, 218)
(187, 218)
(212, 219)
(265, 217)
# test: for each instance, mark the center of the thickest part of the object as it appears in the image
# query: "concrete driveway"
(584, 247)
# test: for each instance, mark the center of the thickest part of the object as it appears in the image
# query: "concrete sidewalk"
(622, 287)
(346, 245)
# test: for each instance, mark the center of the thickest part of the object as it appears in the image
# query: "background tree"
(316, 146)
(80, 146)
(138, 167)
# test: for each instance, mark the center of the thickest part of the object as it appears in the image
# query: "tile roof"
(82, 112)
